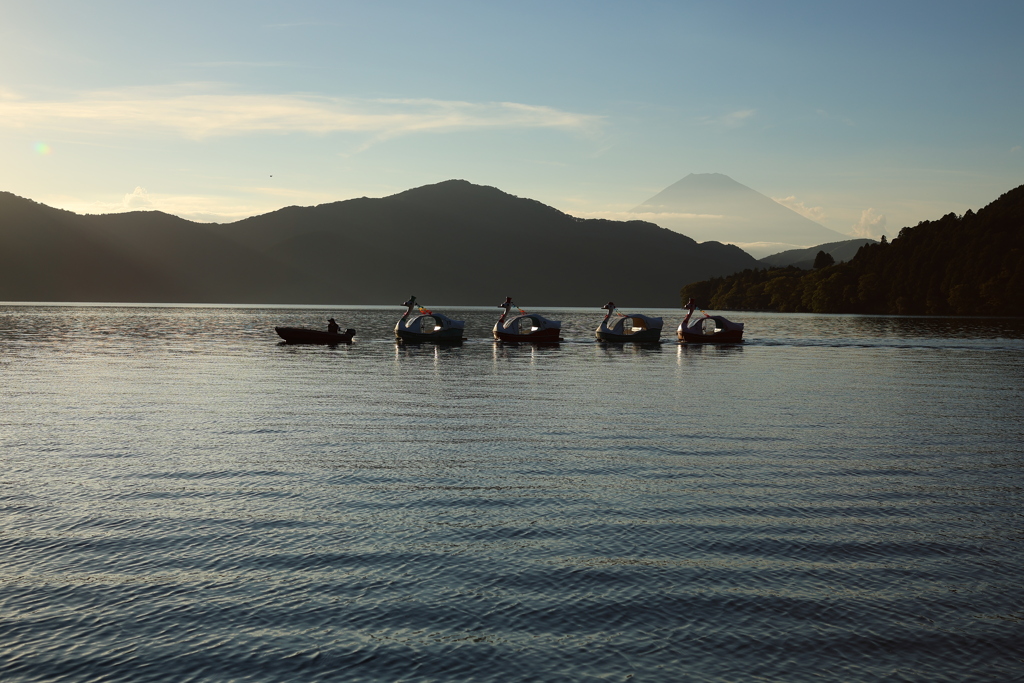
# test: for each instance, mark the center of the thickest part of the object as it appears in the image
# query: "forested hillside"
(957, 265)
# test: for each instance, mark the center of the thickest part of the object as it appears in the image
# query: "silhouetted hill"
(804, 258)
(967, 265)
(449, 243)
(47, 254)
(713, 206)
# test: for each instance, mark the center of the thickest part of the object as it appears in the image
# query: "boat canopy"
(710, 324)
(528, 323)
(635, 322)
(431, 323)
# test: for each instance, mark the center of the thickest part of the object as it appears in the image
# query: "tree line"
(956, 265)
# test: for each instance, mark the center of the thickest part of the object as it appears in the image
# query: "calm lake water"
(182, 498)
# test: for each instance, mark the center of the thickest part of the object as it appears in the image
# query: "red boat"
(299, 335)
(526, 327)
(710, 329)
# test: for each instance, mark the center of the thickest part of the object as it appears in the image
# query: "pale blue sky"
(877, 114)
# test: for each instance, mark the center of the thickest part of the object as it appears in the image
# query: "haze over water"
(183, 498)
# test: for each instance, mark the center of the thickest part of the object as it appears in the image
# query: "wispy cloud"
(732, 119)
(298, 24)
(652, 217)
(255, 65)
(738, 117)
(871, 224)
(842, 119)
(224, 206)
(138, 200)
(202, 209)
(198, 112)
(815, 213)
(761, 249)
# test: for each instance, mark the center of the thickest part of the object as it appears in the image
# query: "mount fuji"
(713, 206)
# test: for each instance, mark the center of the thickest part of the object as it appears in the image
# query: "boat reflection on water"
(694, 354)
(613, 349)
(301, 335)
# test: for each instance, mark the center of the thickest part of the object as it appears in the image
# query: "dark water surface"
(184, 499)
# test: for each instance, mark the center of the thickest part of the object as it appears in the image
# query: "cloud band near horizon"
(197, 112)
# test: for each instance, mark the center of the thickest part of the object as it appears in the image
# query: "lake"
(184, 498)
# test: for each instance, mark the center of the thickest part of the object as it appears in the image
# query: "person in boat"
(333, 327)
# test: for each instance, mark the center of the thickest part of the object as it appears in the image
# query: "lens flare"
(43, 148)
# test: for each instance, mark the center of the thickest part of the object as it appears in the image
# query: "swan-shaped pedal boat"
(710, 329)
(633, 327)
(427, 326)
(526, 327)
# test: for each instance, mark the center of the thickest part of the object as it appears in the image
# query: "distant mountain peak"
(700, 187)
(710, 177)
(454, 185)
(713, 206)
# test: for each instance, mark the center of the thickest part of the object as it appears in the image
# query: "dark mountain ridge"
(956, 265)
(804, 258)
(448, 243)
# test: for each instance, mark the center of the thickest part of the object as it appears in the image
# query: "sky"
(865, 116)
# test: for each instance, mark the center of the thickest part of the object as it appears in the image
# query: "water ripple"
(184, 499)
